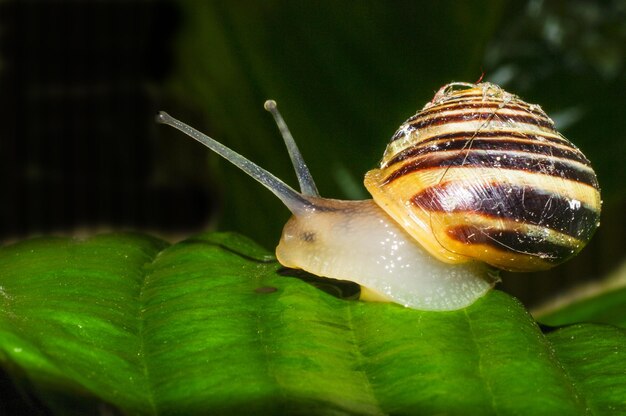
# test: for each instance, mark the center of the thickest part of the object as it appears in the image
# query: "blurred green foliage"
(345, 76)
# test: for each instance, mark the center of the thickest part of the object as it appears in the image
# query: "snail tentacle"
(293, 200)
(307, 184)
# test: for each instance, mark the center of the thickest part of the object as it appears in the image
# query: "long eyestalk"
(307, 184)
(293, 200)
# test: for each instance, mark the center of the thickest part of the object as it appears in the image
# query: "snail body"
(476, 177)
(358, 241)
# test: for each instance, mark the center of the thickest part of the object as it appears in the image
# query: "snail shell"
(480, 174)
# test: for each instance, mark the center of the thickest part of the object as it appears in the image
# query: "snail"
(477, 179)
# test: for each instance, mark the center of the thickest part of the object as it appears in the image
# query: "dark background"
(80, 82)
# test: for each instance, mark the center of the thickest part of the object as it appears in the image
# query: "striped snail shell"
(477, 176)
(480, 174)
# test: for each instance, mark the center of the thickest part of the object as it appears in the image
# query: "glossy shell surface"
(480, 174)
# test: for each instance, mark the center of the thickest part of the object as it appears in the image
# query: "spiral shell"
(480, 174)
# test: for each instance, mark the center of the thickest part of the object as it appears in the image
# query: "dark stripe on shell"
(420, 123)
(487, 116)
(518, 106)
(513, 203)
(513, 242)
(479, 143)
(496, 133)
(465, 97)
(463, 103)
(472, 160)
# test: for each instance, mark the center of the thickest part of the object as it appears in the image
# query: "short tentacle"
(307, 184)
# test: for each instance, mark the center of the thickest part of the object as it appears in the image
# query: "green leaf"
(589, 354)
(214, 325)
(70, 315)
(600, 302)
(607, 308)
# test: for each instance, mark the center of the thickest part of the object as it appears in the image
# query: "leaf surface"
(214, 324)
(602, 302)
